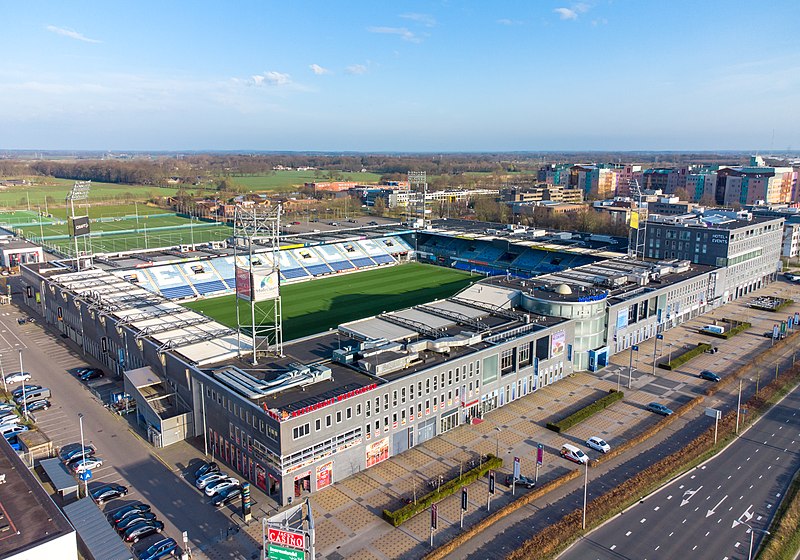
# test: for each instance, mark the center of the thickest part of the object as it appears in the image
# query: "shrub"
(586, 412)
(399, 516)
(741, 327)
(686, 356)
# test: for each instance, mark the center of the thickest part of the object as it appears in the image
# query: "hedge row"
(782, 306)
(686, 356)
(559, 535)
(586, 412)
(730, 333)
(784, 538)
(399, 516)
(470, 533)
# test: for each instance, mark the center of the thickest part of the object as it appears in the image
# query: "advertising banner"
(635, 220)
(324, 475)
(275, 552)
(622, 319)
(243, 284)
(377, 451)
(265, 284)
(516, 467)
(78, 227)
(539, 454)
(286, 538)
(557, 343)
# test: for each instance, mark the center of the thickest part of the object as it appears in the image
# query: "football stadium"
(391, 335)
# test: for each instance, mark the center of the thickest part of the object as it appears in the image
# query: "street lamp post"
(752, 535)
(3, 375)
(738, 406)
(83, 455)
(497, 442)
(585, 491)
(24, 391)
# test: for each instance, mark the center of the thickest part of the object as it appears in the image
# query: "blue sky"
(400, 76)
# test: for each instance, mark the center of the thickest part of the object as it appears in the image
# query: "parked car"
(141, 530)
(352, 221)
(220, 485)
(7, 407)
(209, 478)
(659, 408)
(9, 418)
(226, 496)
(522, 480)
(108, 492)
(373, 223)
(41, 404)
(126, 522)
(295, 223)
(18, 377)
(35, 395)
(709, 375)
(9, 430)
(92, 373)
(70, 452)
(80, 465)
(598, 444)
(205, 468)
(16, 393)
(161, 549)
(127, 511)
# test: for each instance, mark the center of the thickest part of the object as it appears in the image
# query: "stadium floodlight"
(79, 192)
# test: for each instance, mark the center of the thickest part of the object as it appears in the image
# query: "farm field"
(283, 181)
(318, 305)
(55, 191)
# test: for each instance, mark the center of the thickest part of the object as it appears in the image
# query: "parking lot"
(127, 458)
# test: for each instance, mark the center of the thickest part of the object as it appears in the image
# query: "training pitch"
(318, 305)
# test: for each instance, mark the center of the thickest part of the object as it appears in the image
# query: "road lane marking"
(643, 520)
(628, 534)
(612, 547)
(656, 508)
(713, 510)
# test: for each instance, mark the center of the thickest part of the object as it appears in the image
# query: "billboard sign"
(286, 538)
(464, 499)
(539, 454)
(434, 516)
(265, 284)
(324, 475)
(243, 284)
(516, 467)
(377, 451)
(275, 552)
(557, 343)
(491, 482)
(78, 227)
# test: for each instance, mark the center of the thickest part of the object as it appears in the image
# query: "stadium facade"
(345, 400)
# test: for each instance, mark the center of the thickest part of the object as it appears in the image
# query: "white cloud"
(566, 13)
(356, 69)
(425, 19)
(271, 78)
(573, 12)
(319, 70)
(403, 32)
(71, 34)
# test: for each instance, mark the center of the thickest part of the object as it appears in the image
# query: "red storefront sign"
(286, 538)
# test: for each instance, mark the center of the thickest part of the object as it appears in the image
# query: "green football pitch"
(316, 306)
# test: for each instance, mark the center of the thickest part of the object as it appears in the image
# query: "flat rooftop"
(29, 515)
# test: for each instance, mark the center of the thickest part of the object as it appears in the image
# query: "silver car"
(221, 485)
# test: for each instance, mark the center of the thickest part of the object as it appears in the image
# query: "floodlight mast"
(254, 226)
(418, 179)
(79, 192)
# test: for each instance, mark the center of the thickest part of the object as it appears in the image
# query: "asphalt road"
(127, 459)
(699, 514)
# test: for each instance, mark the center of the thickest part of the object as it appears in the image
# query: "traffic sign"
(86, 475)
(660, 336)
(276, 552)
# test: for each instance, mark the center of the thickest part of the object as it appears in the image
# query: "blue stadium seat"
(210, 287)
(318, 269)
(383, 259)
(363, 262)
(178, 292)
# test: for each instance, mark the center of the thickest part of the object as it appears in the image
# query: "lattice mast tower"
(256, 236)
(637, 234)
(77, 206)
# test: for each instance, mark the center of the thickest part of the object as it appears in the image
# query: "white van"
(569, 451)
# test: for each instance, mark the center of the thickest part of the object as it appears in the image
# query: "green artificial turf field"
(318, 305)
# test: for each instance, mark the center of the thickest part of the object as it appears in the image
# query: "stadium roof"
(195, 337)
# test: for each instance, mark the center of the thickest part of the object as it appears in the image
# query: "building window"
(338, 416)
(394, 399)
(318, 424)
(358, 409)
(368, 406)
(386, 401)
(348, 413)
(301, 431)
(328, 421)
(403, 395)
(507, 360)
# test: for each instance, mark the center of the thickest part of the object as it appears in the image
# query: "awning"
(62, 481)
(98, 539)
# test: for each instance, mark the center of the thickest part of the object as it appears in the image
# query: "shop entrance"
(302, 484)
